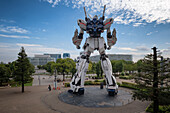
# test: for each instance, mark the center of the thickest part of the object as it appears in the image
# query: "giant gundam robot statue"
(94, 27)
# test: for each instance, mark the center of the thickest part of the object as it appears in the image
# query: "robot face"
(95, 17)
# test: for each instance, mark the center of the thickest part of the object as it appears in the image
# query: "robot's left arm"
(78, 38)
(111, 38)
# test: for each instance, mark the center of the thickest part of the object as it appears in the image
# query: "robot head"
(95, 17)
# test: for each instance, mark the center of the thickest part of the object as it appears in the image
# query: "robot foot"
(81, 91)
(112, 92)
(70, 91)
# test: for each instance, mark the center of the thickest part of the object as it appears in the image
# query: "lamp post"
(55, 84)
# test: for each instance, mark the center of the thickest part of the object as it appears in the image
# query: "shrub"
(96, 81)
(119, 84)
(162, 108)
(129, 85)
(122, 74)
(66, 84)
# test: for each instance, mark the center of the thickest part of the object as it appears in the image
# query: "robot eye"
(79, 20)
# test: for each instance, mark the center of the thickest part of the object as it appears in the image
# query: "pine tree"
(23, 69)
(151, 88)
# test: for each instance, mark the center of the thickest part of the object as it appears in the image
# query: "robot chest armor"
(94, 27)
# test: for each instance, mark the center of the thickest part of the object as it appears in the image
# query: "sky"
(47, 26)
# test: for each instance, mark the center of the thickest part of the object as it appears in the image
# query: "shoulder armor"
(107, 23)
(82, 24)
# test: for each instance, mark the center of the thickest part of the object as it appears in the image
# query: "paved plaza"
(37, 99)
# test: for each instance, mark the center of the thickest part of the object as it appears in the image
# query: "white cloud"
(9, 52)
(3, 46)
(167, 43)
(7, 21)
(127, 11)
(166, 52)
(28, 45)
(137, 24)
(43, 30)
(142, 48)
(13, 29)
(126, 49)
(149, 33)
(14, 36)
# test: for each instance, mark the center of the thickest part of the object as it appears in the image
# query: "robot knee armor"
(85, 57)
(103, 57)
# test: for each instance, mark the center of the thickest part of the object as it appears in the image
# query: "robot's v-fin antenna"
(85, 13)
(90, 16)
(104, 11)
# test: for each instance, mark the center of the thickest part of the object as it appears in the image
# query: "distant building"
(56, 56)
(112, 57)
(66, 55)
(41, 59)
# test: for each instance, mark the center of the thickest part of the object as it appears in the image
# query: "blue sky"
(47, 26)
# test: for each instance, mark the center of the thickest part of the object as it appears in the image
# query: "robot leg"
(111, 84)
(77, 83)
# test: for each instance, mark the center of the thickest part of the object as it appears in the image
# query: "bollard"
(101, 85)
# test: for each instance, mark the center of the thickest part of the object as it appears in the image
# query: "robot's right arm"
(78, 38)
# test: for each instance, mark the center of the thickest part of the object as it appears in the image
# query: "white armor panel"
(82, 24)
(95, 43)
(75, 39)
(107, 23)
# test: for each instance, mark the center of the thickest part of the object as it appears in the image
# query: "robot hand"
(114, 34)
(112, 40)
(76, 40)
(78, 47)
(109, 48)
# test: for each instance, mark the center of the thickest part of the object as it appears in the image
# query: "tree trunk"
(1, 83)
(155, 84)
(22, 83)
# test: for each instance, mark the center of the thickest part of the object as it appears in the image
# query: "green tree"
(98, 69)
(93, 67)
(73, 66)
(90, 67)
(48, 67)
(40, 66)
(145, 80)
(101, 70)
(139, 65)
(12, 67)
(113, 62)
(119, 66)
(4, 74)
(23, 69)
(64, 66)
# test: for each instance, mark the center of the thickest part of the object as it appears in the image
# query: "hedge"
(162, 108)
(128, 85)
(125, 77)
